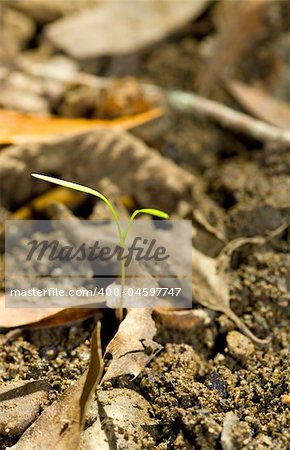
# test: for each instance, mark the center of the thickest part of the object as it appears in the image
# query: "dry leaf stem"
(227, 117)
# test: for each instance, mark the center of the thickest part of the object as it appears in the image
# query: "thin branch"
(227, 117)
(185, 102)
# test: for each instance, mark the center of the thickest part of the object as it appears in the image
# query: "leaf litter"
(110, 153)
(64, 418)
(42, 317)
(133, 347)
(20, 128)
(261, 104)
(188, 403)
(20, 403)
(139, 25)
(232, 40)
(211, 284)
(67, 416)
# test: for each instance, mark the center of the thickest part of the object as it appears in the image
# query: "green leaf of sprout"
(122, 234)
(81, 188)
(151, 211)
(69, 184)
(87, 190)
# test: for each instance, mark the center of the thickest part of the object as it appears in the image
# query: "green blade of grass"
(81, 188)
(69, 184)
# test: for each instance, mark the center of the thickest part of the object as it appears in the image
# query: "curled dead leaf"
(132, 347)
(261, 104)
(94, 372)
(210, 280)
(231, 41)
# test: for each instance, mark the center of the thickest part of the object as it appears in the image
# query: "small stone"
(217, 383)
(225, 323)
(285, 399)
(239, 346)
(235, 434)
(219, 358)
(48, 352)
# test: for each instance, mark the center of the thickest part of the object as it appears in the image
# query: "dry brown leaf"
(18, 128)
(94, 372)
(132, 347)
(261, 104)
(66, 317)
(96, 32)
(239, 26)
(46, 12)
(120, 409)
(41, 317)
(20, 402)
(118, 98)
(151, 179)
(59, 426)
(210, 282)
(10, 318)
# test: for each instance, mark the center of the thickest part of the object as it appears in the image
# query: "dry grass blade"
(261, 104)
(94, 372)
(17, 128)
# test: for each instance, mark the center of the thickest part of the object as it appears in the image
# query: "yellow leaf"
(18, 128)
(67, 197)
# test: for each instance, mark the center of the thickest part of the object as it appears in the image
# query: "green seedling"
(123, 233)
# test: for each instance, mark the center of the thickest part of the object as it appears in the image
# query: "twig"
(228, 117)
(186, 102)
